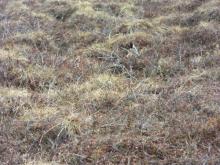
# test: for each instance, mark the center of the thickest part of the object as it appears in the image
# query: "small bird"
(134, 51)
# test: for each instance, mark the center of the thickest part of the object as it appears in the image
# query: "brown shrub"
(60, 10)
(111, 8)
(202, 36)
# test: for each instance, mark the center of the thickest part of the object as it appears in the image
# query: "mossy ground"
(109, 82)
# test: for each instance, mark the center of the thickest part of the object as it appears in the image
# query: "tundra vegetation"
(109, 82)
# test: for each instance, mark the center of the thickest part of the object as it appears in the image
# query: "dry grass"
(106, 82)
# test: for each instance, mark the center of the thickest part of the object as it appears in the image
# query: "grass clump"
(106, 82)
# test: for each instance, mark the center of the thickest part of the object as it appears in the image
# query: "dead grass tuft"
(106, 82)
